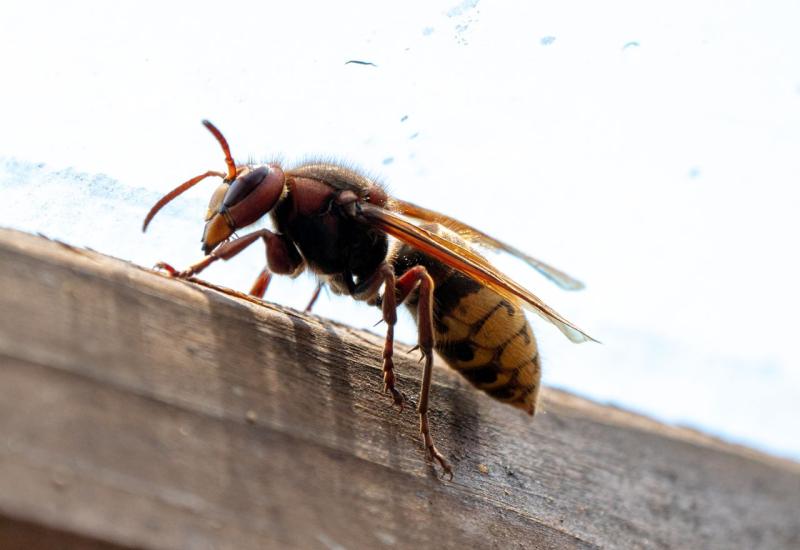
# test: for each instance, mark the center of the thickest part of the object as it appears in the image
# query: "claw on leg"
(433, 452)
(174, 273)
(388, 384)
(397, 396)
(189, 271)
(164, 266)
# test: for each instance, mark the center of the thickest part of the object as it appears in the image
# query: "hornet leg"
(282, 255)
(261, 283)
(384, 275)
(389, 308)
(405, 284)
(313, 298)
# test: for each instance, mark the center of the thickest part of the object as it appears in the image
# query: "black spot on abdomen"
(481, 376)
(503, 393)
(449, 293)
(459, 351)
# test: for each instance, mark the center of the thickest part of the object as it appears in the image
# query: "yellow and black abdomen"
(482, 335)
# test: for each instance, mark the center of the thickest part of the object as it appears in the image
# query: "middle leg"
(389, 309)
(368, 290)
(418, 275)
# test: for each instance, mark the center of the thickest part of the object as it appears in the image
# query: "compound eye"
(244, 185)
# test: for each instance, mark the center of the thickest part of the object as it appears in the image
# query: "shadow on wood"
(139, 411)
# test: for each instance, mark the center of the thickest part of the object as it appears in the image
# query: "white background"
(650, 149)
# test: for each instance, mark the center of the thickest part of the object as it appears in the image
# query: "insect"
(336, 222)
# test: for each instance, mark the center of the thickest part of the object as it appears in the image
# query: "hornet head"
(246, 193)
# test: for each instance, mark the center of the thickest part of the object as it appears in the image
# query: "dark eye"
(243, 186)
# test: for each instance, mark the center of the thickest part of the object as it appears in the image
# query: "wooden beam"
(140, 411)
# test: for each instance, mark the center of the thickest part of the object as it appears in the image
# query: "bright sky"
(651, 150)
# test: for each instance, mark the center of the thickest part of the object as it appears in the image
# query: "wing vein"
(556, 276)
(469, 263)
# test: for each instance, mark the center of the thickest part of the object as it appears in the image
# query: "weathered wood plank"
(140, 411)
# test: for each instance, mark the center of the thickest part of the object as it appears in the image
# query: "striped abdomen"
(479, 333)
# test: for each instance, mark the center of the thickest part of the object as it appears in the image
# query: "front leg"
(282, 255)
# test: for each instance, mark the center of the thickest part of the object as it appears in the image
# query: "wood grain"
(140, 411)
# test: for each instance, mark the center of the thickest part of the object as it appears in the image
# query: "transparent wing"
(467, 262)
(555, 275)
